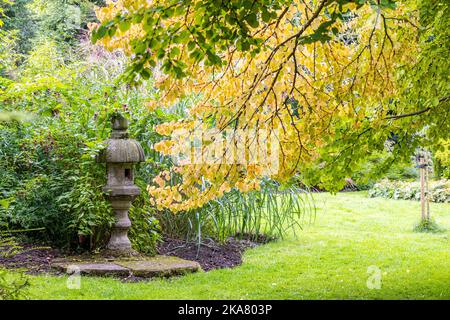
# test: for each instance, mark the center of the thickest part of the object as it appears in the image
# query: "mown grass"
(329, 259)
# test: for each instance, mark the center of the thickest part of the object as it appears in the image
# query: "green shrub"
(442, 159)
(9, 155)
(382, 164)
(145, 231)
(12, 289)
(439, 191)
(15, 288)
(35, 206)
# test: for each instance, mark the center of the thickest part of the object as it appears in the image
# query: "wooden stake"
(422, 187)
(427, 197)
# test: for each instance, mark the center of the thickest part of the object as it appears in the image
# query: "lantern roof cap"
(119, 148)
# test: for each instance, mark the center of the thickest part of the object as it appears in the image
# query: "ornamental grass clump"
(429, 226)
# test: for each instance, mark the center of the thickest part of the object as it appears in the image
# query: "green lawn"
(328, 260)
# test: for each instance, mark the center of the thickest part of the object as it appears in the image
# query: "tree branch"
(443, 99)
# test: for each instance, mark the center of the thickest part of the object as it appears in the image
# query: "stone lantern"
(120, 155)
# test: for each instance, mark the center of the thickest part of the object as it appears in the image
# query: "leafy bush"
(145, 230)
(10, 289)
(442, 156)
(382, 164)
(439, 191)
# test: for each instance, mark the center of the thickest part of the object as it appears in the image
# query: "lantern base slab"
(144, 267)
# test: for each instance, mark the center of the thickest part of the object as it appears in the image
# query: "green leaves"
(435, 102)
(425, 83)
(181, 37)
(214, 27)
(107, 29)
(388, 4)
(145, 73)
(174, 52)
(98, 33)
(124, 25)
(252, 20)
(267, 15)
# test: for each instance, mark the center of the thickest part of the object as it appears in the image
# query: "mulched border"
(34, 259)
(209, 254)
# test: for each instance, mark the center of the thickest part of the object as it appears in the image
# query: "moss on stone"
(148, 267)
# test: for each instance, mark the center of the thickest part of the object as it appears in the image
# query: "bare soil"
(209, 254)
(34, 259)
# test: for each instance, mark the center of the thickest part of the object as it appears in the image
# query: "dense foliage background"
(49, 177)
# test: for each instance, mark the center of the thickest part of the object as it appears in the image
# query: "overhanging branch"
(400, 116)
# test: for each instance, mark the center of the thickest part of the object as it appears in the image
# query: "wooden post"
(427, 196)
(422, 186)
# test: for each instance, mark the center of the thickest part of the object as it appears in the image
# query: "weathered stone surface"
(160, 266)
(122, 151)
(146, 267)
(95, 269)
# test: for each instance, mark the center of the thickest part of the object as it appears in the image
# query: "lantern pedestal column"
(121, 198)
(119, 244)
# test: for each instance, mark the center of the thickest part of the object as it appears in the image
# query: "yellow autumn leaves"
(295, 89)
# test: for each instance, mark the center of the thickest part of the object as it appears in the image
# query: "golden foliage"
(294, 88)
